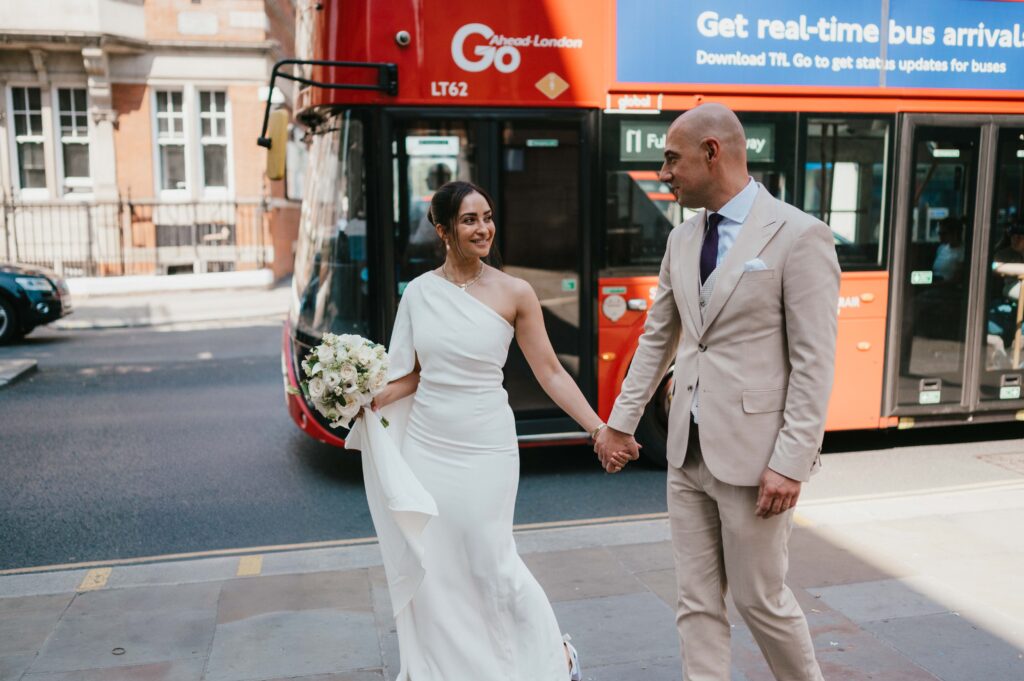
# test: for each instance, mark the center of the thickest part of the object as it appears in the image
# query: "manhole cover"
(1011, 462)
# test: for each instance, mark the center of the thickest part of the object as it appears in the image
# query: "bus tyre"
(652, 431)
(9, 329)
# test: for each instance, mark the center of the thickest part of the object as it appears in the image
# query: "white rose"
(348, 373)
(350, 387)
(350, 409)
(364, 355)
(325, 354)
(378, 382)
(317, 388)
(332, 379)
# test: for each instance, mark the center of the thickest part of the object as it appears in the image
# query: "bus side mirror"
(277, 132)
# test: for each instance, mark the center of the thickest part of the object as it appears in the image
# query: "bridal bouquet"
(343, 374)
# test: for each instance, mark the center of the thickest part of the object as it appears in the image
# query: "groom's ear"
(711, 148)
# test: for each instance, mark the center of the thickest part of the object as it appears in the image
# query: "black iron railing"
(135, 237)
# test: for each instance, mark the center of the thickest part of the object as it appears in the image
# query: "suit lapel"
(690, 268)
(754, 235)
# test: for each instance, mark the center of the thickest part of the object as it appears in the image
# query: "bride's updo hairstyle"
(444, 211)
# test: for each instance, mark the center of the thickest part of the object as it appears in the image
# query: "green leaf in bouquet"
(292, 390)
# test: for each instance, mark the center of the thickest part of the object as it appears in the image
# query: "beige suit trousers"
(720, 544)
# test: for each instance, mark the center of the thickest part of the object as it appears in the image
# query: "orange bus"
(901, 127)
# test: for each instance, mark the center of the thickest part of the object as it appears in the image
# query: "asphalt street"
(129, 443)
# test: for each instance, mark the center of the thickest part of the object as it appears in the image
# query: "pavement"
(906, 562)
(128, 302)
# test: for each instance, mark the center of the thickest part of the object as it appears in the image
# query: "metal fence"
(136, 237)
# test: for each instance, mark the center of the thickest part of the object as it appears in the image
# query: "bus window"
(331, 280)
(642, 213)
(642, 210)
(845, 180)
(1004, 355)
(427, 156)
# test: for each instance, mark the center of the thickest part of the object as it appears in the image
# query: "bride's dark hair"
(444, 211)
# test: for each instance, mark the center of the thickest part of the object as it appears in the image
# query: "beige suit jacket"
(762, 355)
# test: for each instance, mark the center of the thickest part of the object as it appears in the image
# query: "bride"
(466, 606)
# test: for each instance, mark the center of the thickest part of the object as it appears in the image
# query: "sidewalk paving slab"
(336, 625)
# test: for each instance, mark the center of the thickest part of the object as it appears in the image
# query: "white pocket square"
(754, 265)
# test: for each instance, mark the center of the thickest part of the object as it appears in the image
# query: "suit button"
(689, 388)
(702, 347)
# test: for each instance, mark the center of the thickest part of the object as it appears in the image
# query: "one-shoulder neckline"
(469, 295)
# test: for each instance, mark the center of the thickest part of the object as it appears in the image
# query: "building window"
(28, 136)
(170, 139)
(74, 139)
(213, 138)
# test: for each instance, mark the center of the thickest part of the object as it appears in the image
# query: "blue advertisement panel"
(959, 44)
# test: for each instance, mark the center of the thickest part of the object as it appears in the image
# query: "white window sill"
(175, 195)
(34, 194)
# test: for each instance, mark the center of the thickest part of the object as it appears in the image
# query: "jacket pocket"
(764, 401)
(757, 275)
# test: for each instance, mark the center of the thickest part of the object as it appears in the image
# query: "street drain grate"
(1011, 462)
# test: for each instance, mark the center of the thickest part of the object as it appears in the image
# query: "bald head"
(706, 156)
(713, 120)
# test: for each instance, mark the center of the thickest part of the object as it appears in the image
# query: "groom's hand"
(615, 449)
(776, 494)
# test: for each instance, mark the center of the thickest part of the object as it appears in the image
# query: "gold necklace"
(444, 271)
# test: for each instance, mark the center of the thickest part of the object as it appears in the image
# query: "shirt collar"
(738, 207)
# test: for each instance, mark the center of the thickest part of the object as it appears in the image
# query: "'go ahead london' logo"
(500, 51)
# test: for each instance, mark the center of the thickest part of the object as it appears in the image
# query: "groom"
(746, 309)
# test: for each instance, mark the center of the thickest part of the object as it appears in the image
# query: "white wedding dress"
(441, 483)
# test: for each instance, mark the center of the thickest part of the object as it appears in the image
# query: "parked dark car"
(29, 297)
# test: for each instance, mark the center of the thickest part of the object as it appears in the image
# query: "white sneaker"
(574, 671)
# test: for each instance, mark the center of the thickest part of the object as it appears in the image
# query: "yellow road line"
(95, 579)
(607, 520)
(337, 543)
(218, 553)
(250, 566)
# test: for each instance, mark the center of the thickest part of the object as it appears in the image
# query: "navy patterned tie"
(709, 251)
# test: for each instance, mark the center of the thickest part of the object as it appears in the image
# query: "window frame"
(786, 128)
(179, 193)
(59, 142)
(887, 222)
(215, 191)
(27, 193)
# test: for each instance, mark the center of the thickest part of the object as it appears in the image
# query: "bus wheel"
(652, 431)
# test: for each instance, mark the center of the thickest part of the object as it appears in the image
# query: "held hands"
(615, 449)
(776, 494)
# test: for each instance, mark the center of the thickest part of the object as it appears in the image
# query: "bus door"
(955, 337)
(533, 169)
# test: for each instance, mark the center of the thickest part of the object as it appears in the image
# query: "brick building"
(128, 130)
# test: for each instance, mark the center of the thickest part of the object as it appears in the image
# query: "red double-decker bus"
(900, 126)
